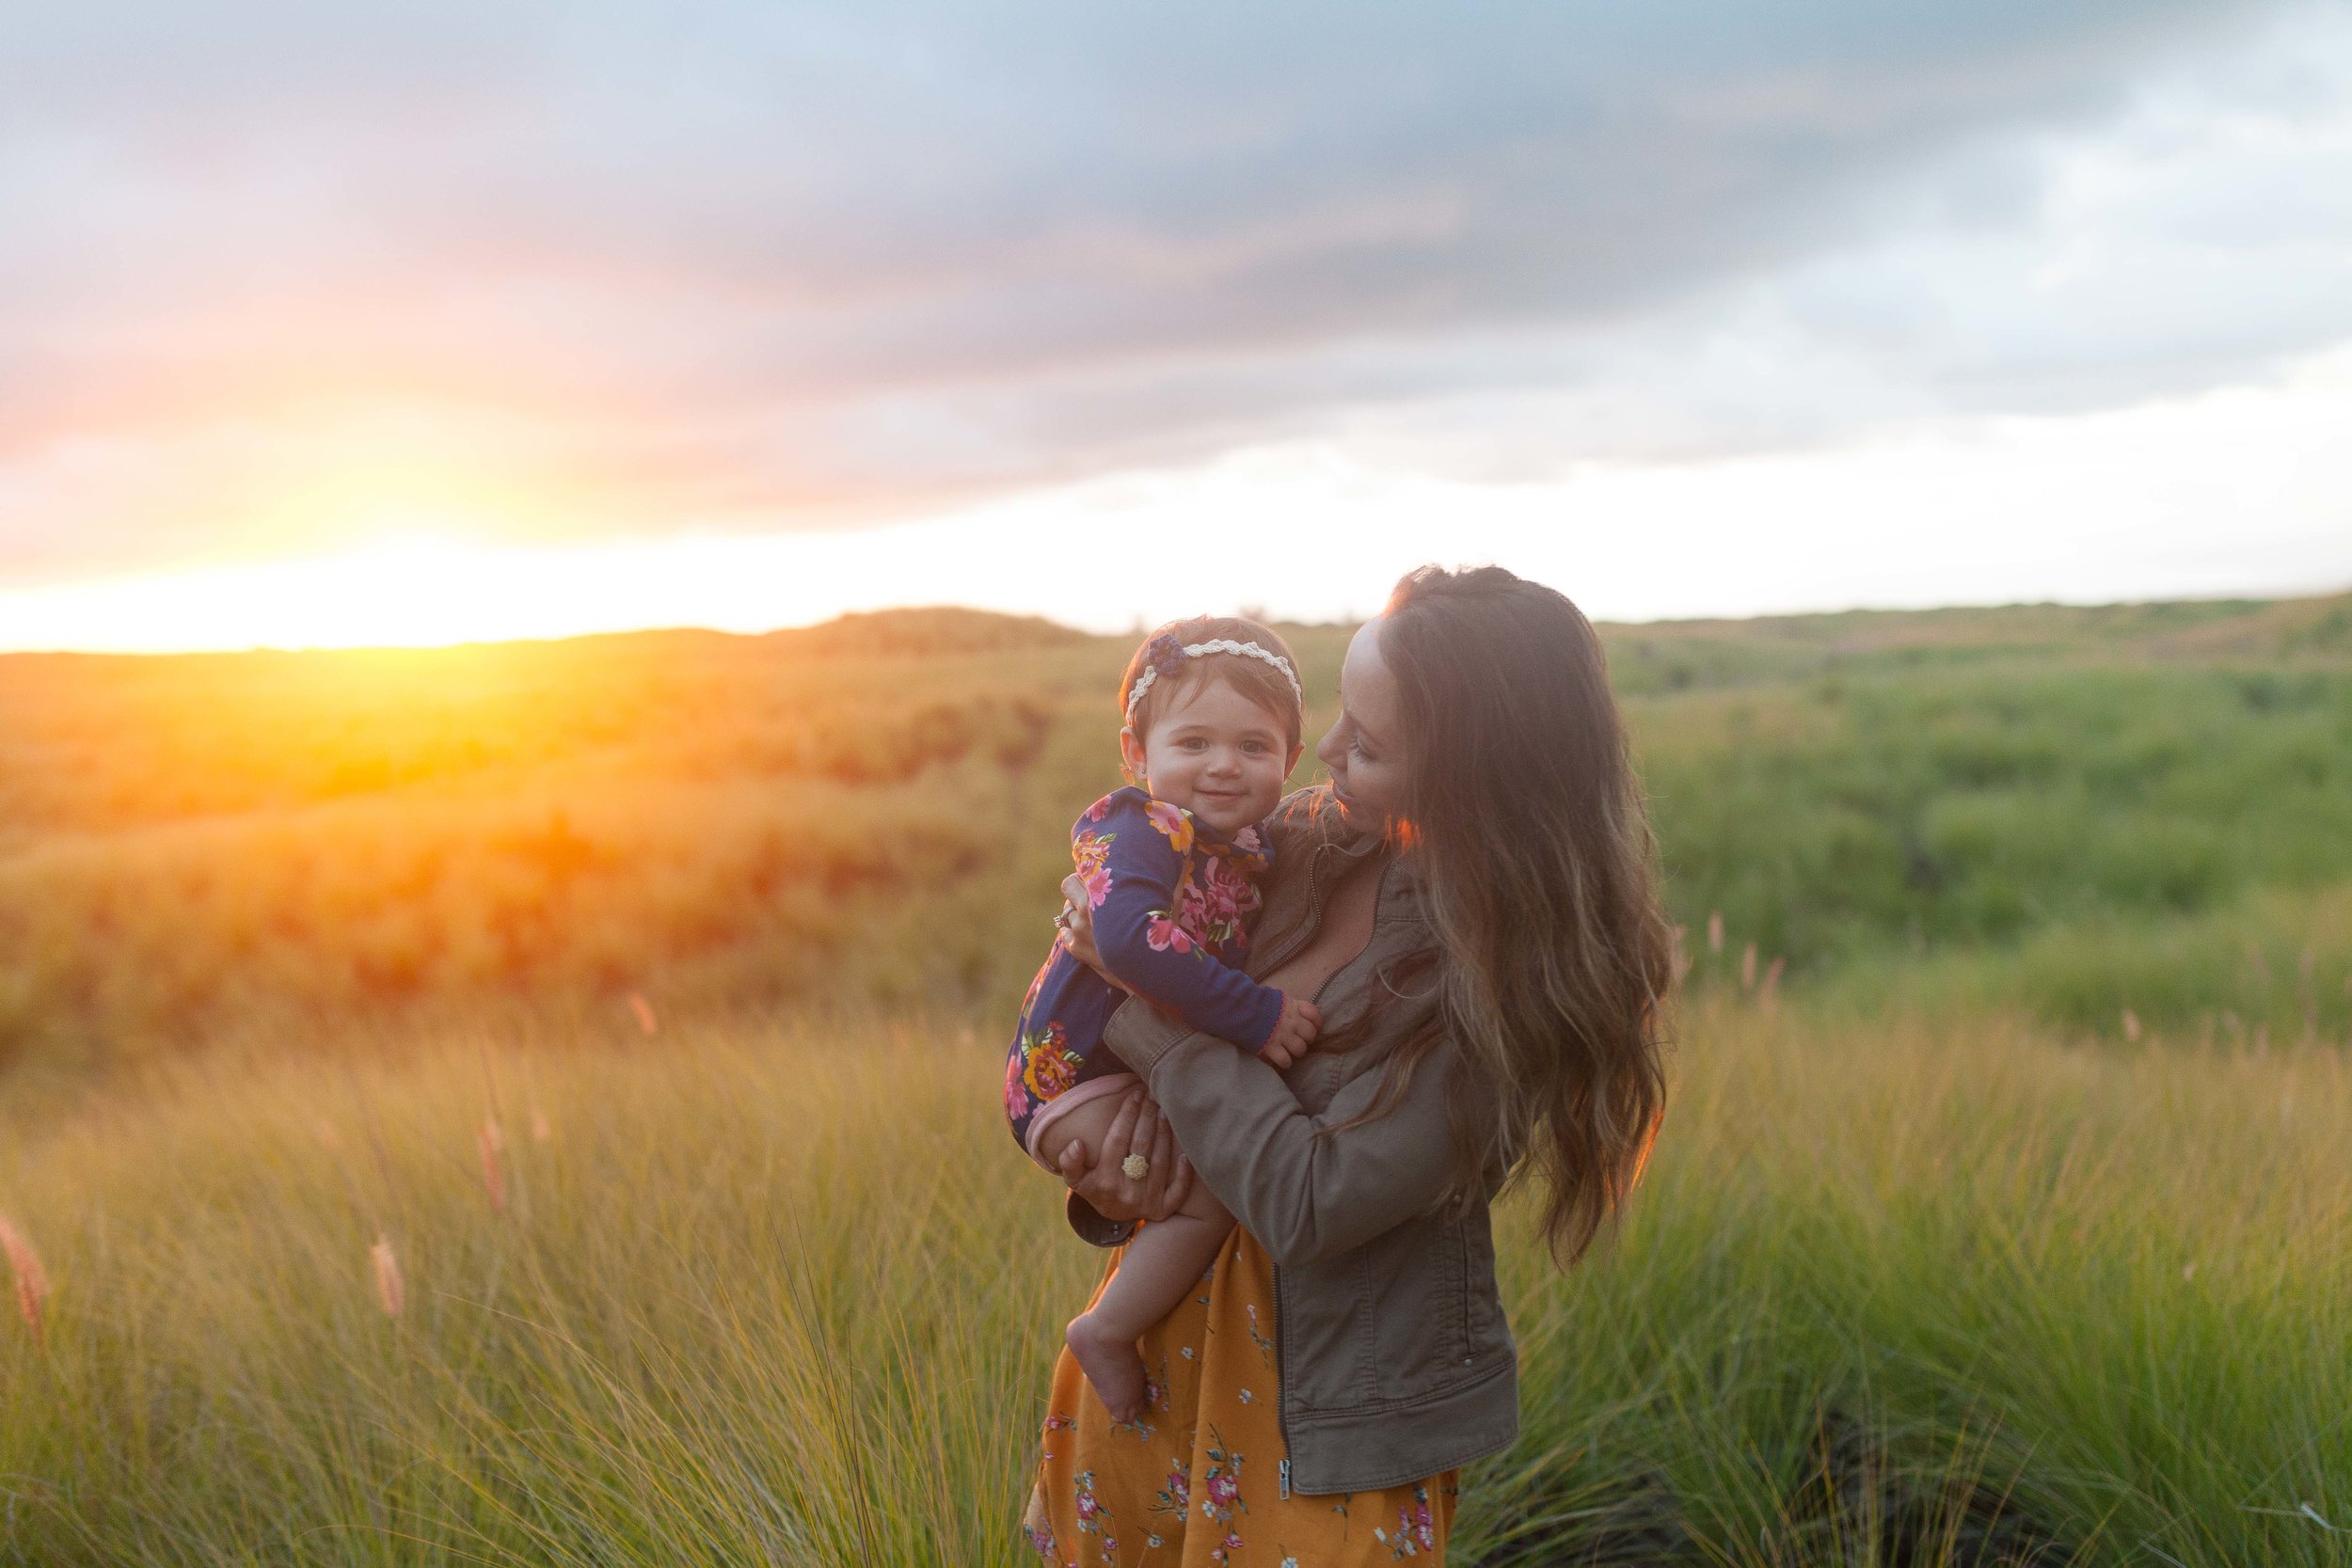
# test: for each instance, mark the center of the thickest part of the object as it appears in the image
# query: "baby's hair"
(1254, 678)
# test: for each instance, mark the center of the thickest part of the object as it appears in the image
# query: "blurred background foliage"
(2132, 819)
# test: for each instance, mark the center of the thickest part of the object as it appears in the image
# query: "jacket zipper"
(1281, 1317)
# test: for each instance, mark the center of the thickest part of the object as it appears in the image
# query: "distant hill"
(923, 633)
(874, 812)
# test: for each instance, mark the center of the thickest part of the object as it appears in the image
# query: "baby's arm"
(1142, 948)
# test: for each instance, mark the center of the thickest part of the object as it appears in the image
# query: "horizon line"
(690, 628)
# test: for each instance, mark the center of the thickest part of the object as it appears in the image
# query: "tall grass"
(775, 1292)
(1941, 810)
(2274, 966)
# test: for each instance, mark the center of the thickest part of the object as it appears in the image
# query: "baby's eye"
(1193, 743)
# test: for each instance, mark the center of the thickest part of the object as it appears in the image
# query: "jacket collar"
(1327, 826)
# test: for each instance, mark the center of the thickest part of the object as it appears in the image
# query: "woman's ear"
(1131, 757)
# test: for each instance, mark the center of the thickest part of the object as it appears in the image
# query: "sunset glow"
(1318, 532)
(479, 325)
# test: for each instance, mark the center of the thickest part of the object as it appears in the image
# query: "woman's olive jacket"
(1396, 1362)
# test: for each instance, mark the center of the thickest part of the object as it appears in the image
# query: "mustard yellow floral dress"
(1197, 1481)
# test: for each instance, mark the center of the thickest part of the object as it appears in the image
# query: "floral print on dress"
(1266, 1346)
(1221, 1500)
(1179, 1496)
(1174, 823)
(1163, 887)
(1216, 901)
(1095, 1520)
(1093, 853)
(1166, 936)
(1016, 1083)
(1048, 1066)
(1175, 1495)
(1416, 1528)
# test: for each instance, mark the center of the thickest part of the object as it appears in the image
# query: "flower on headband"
(1165, 654)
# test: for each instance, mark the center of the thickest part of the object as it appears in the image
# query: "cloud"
(612, 269)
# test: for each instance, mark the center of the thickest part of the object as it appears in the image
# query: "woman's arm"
(1304, 1193)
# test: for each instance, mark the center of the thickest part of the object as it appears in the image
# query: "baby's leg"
(1167, 1259)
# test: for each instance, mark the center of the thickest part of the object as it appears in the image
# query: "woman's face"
(1365, 750)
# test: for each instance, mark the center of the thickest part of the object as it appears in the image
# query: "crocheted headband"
(1165, 656)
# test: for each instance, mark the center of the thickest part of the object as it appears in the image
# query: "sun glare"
(1915, 518)
(428, 584)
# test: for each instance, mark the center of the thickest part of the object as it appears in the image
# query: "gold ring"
(1135, 1167)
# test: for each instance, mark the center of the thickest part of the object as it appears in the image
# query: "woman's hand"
(1136, 1128)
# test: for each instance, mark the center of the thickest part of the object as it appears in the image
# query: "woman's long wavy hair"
(1540, 869)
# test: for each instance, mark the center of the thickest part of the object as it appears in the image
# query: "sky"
(359, 324)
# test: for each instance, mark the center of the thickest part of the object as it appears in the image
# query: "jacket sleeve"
(1088, 1225)
(1134, 931)
(1305, 1193)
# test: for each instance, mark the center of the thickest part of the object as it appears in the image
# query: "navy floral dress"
(1169, 898)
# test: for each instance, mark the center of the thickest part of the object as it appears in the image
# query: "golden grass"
(786, 1294)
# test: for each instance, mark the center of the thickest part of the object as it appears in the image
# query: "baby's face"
(1215, 754)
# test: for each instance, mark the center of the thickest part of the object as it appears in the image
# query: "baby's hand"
(1301, 1020)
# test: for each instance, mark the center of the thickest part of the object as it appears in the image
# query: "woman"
(1471, 901)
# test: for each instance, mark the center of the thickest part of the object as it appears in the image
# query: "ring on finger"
(1135, 1167)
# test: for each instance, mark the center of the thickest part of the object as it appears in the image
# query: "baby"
(1213, 711)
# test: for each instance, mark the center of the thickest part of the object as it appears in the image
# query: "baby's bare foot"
(1111, 1365)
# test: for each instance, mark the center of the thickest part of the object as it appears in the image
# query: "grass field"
(642, 996)
(759, 1294)
(872, 811)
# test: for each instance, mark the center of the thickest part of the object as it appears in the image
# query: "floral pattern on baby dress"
(1206, 1484)
(1046, 1066)
(1092, 854)
(1154, 874)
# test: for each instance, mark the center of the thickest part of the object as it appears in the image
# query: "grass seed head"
(32, 1280)
(391, 1289)
(643, 1010)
